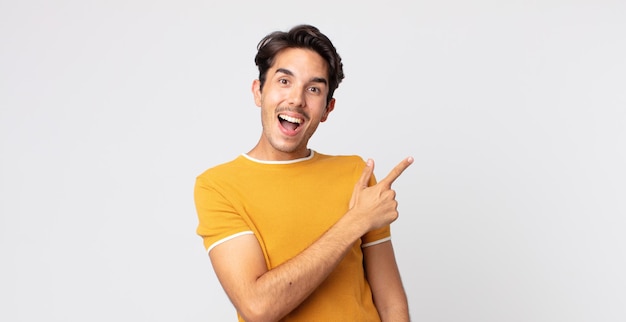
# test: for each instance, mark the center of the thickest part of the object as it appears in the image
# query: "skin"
(296, 86)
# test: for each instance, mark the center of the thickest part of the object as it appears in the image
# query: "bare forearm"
(280, 290)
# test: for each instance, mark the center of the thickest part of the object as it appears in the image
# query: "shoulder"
(353, 164)
(340, 159)
(223, 169)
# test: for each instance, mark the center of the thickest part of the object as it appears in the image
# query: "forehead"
(301, 62)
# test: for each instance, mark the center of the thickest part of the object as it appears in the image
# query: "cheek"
(277, 95)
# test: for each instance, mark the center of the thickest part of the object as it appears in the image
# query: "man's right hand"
(377, 205)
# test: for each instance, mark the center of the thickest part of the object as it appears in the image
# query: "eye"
(283, 81)
(314, 90)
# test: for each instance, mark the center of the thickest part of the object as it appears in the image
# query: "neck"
(275, 155)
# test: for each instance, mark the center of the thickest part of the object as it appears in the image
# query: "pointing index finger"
(397, 171)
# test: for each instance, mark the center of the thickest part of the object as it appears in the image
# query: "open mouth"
(288, 122)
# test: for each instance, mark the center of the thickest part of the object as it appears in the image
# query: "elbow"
(257, 311)
(394, 313)
(252, 316)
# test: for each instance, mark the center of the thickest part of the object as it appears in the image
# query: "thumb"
(363, 181)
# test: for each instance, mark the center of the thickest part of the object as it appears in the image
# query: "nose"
(296, 97)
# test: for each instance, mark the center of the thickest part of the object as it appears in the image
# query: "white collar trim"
(280, 162)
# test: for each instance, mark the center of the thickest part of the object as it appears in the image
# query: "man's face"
(292, 102)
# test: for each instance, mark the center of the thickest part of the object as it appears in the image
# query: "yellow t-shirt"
(288, 206)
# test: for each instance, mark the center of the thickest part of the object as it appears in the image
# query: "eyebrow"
(314, 79)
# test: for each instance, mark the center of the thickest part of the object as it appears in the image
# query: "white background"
(515, 112)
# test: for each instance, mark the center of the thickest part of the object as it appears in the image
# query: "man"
(295, 235)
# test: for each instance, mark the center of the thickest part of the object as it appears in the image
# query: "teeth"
(290, 119)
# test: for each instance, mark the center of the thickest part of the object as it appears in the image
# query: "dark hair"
(301, 36)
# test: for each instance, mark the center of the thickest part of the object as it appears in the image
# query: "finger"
(366, 175)
(362, 183)
(397, 171)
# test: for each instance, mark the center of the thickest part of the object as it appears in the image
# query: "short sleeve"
(218, 219)
(376, 236)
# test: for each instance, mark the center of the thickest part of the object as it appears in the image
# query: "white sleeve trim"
(376, 242)
(225, 239)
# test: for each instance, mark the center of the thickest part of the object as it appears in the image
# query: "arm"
(384, 279)
(260, 294)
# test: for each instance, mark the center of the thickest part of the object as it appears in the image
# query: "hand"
(377, 204)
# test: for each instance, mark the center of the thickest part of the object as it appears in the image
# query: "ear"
(256, 92)
(329, 108)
